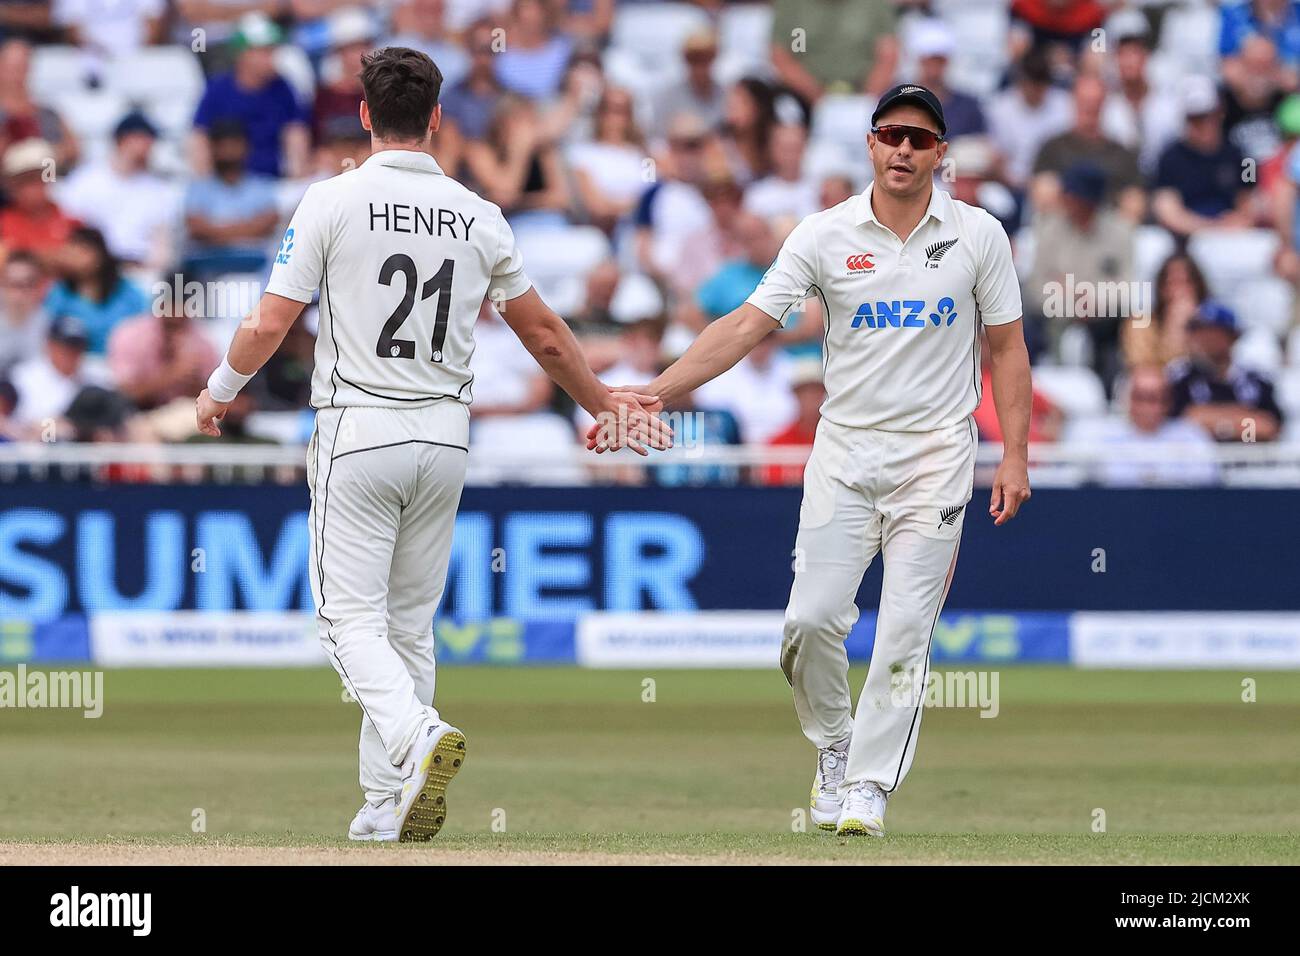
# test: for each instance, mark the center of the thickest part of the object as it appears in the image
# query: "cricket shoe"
(436, 756)
(824, 801)
(374, 821)
(864, 811)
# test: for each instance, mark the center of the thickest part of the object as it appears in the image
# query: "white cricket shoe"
(374, 821)
(864, 811)
(824, 801)
(436, 756)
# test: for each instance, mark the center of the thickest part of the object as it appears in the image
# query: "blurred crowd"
(651, 158)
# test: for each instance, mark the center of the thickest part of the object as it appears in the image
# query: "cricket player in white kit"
(403, 257)
(907, 277)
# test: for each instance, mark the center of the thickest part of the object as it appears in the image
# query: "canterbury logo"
(860, 263)
(949, 515)
(936, 251)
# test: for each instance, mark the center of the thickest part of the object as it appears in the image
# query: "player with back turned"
(907, 276)
(403, 257)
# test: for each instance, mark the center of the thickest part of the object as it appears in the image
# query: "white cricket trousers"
(868, 491)
(385, 485)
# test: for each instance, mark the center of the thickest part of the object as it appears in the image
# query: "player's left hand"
(1010, 490)
(207, 412)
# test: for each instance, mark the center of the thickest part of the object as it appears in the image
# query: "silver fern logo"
(936, 251)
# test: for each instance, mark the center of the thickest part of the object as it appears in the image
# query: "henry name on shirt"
(413, 220)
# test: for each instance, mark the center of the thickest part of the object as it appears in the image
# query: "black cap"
(911, 93)
(134, 122)
(69, 330)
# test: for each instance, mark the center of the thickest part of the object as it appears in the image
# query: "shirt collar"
(405, 159)
(938, 207)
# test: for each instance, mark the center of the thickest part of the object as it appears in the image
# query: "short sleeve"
(300, 260)
(997, 290)
(791, 278)
(508, 278)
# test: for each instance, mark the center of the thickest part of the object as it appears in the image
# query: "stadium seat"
(92, 114)
(57, 70)
(551, 442)
(1190, 33)
(293, 64)
(156, 74)
(844, 120)
(655, 32)
(1266, 303)
(554, 253)
(1288, 394)
(746, 29)
(980, 59)
(1258, 349)
(1230, 258)
(1075, 390)
(1152, 245)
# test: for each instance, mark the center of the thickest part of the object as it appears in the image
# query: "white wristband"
(224, 383)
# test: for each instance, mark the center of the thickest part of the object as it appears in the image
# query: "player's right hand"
(629, 418)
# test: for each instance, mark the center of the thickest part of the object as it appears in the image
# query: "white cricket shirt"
(403, 257)
(901, 349)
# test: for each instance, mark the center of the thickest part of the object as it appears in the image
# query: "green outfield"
(573, 765)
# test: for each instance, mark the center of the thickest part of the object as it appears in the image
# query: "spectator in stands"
(673, 207)
(1136, 114)
(1149, 447)
(469, 105)
(100, 414)
(47, 383)
(1086, 141)
(588, 20)
(1250, 101)
(31, 221)
(92, 289)
(1083, 268)
(835, 187)
(256, 95)
(231, 215)
(532, 63)
(284, 383)
(819, 47)
(338, 97)
(506, 379)
(1045, 419)
(21, 117)
(1229, 402)
(728, 288)
(594, 319)
(22, 319)
(1066, 22)
(234, 430)
(703, 251)
(697, 93)
(571, 117)
(1161, 336)
(973, 164)
(110, 29)
(749, 114)
(933, 43)
(9, 431)
(694, 429)
(1199, 180)
(220, 20)
(809, 393)
(1027, 114)
(421, 25)
(786, 191)
(135, 208)
(1279, 180)
(518, 168)
(160, 357)
(756, 390)
(1277, 20)
(610, 172)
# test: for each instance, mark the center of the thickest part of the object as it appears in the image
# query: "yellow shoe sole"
(857, 828)
(429, 809)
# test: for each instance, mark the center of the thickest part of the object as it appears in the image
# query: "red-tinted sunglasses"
(894, 135)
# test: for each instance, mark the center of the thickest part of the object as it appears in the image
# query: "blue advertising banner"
(550, 554)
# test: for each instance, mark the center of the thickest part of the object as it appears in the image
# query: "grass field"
(576, 767)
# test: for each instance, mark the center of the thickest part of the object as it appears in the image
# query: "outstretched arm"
(622, 417)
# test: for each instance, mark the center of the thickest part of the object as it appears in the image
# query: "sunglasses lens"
(920, 138)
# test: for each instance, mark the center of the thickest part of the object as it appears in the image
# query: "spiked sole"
(825, 826)
(858, 828)
(428, 810)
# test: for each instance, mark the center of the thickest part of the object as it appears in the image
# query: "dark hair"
(401, 89)
(109, 273)
(1199, 283)
(228, 128)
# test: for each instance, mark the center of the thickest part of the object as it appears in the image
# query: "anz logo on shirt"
(286, 248)
(905, 314)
